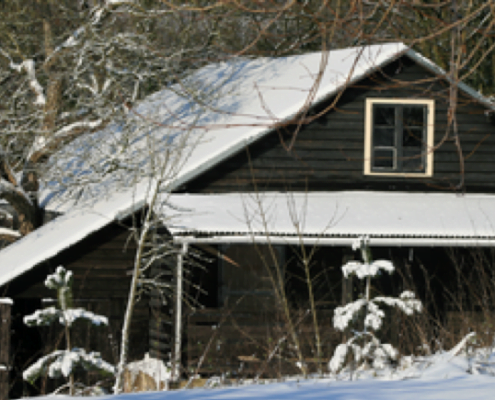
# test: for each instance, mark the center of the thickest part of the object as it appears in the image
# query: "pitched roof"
(218, 110)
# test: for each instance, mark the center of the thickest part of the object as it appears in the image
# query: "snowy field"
(440, 377)
(467, 387)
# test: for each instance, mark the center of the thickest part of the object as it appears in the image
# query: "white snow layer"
(367, 270)
(60, 279)
(63, 362)
(66, 318)
(28, 66)
(6, 300)
(152, 367)
(9, 232)
(442, 379)
(343, 315)
(396, 216)
(68, 229)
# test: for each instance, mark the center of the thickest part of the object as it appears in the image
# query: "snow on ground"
(472, 387)
(444, 378)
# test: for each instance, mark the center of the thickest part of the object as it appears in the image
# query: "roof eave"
(445, 242)
(435, 69)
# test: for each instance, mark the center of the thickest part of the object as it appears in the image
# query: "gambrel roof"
(219, 110)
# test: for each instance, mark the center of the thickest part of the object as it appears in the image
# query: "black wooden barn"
(360, 147)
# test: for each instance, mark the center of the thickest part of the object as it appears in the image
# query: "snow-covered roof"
(219, 110)
(64, 231)
(337, 218)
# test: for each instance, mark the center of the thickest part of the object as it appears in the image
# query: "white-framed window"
(399, 137)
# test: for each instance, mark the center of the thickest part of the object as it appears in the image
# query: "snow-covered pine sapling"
(365, 314)
(64, 362)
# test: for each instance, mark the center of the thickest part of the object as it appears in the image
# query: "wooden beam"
(5, 317)
(176, 362)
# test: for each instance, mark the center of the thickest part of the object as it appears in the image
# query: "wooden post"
(347, 285)
(5, 311)
(176, 362)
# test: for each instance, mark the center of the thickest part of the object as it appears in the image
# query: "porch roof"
(335, 218)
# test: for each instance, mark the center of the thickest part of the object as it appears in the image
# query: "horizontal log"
(160, 335)
(158, 345)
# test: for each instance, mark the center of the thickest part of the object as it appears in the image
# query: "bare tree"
(69, 68)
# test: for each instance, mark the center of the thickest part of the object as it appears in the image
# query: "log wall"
(102, 265)
(329, 149)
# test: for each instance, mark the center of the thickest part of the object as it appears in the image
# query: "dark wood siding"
(102, 265)
(329, 151)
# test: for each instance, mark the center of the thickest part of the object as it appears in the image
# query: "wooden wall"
(161, 317)
(236, 334)
(102, 265)
(329, 152)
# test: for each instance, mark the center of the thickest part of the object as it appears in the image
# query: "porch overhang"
(392, 219)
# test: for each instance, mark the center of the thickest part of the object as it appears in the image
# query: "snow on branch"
(43, 317)
(8, 189)
(74, 38)
(340, 356)
(28, 66)
(42, 146)
(406, 302)
(344, 315)
(77, 126)
(67, 317)
(9, 232)
(60, 279)
(99, 12)
(117, 2)
(75, 314)
(374, 317)
(366, 270)
(63, 363)
(71, 41)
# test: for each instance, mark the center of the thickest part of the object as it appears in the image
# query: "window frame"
(368, 154)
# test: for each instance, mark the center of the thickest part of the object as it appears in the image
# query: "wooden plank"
(160, 335)
(354, 118)
(5, 320)
(312, 167)
(289, 165)
(318, 153)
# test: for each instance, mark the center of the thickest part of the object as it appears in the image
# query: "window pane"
(384, 158)
(384, 137)
(399, 136)
(412, 137)
(383, 115)
(413, 160)
(413, 116)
